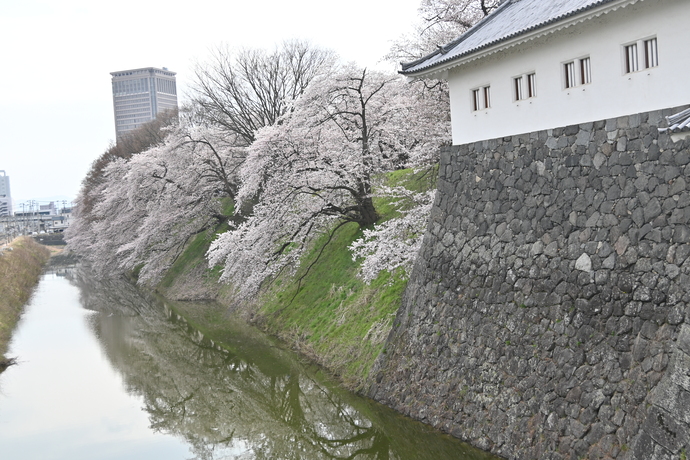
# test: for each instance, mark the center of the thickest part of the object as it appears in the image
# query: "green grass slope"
(333, 316)
(189, 278)
(330, 314)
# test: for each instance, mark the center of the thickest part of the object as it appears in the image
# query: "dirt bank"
(20, 269)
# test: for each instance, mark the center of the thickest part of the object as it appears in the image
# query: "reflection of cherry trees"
(246, 399)
(216, 399)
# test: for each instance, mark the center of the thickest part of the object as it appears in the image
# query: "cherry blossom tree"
(394, 244)
(152, 204)
(315, 169)
(441, 22)
(130, 144)
(147, 195)
(297, 144)
(80, 233)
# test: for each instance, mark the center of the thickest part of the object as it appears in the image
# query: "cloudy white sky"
(56, 57)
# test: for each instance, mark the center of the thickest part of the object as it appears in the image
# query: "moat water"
(107, 373)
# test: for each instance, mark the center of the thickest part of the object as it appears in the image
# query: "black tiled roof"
(512, 19)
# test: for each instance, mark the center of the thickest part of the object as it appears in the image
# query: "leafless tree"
(242, 91)
(146, 135)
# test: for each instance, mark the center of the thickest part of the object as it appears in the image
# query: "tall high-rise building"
(5, 195)
(141, 94)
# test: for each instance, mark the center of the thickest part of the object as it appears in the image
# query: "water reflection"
(245, 399)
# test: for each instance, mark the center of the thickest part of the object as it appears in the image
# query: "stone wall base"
(545, 316)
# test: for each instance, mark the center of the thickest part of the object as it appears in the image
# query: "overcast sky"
(56, 113)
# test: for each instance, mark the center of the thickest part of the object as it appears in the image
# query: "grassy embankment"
(189, 277)
(20, 269)
(334, 318)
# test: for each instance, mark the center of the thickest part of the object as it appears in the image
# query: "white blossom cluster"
(148, 207)
(440, 23)
(317, 168)
(394, 244)
(313, 170)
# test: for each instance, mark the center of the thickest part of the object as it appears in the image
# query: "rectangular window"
(631, 58)
(577, 72)
(524, 87)
(476, 103)
(569, 69)
(517, 85)
(585, 71)
(642, 54)
(532, 85)
(651, 57)
(481, 98)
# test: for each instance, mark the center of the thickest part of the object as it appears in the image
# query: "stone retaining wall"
(545, 316)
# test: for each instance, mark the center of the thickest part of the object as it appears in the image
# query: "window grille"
(651, 56)
(481, 98)
(517, 84)
(532, 85)
(569, 69)
(631, 64)
(585, 71)
(476, 105)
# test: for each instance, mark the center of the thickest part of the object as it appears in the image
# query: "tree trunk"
(367, 212)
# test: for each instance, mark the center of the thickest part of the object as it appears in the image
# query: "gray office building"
(141, 94)
(5, 196)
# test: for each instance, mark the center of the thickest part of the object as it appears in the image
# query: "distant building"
(5, 195)
(36, 218)
(47, 209)
(61, 222)
(141, 94)
(34, 208)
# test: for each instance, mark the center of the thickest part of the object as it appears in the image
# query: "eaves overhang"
(437, 64)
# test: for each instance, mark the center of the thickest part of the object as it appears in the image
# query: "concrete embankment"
(547, 315)
(21, 263)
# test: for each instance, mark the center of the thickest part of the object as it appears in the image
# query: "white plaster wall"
(612, 93)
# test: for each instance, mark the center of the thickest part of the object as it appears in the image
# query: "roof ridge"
(463, 36)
